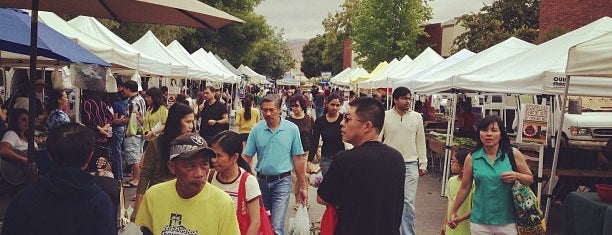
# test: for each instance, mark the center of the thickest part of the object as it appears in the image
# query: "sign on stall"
(534, 124)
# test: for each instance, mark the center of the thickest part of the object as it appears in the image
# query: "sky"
(301, 19)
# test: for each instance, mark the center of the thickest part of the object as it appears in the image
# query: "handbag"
(132, 127)
(242, 214)
(529, 217)
(329, 220)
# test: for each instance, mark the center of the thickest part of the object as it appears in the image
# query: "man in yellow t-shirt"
(188, 205)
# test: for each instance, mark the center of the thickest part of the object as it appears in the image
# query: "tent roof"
(376, 70)
(52, 46)
(381, 79)
(181, 53)
(95, 29)
(540, 70)
(591, 58)
(423, 61)
(443, 79)
(455, 58)
(149, 45)
(208, 61)
(255, 78)
(115, 56)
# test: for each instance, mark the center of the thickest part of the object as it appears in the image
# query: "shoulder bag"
(529, 217)
(242, 213)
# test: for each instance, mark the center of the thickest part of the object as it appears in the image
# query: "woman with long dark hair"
(327, 128)
(246, 117)
(154, 170)
(229, 166)
(156, 113)
(490, 168)
(15, 137)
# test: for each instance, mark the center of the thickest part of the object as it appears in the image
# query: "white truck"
(587, 124)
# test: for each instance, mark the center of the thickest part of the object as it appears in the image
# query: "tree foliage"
(339, 27)
(253, 43)
(312, 52)
(387, 29)
(499, 21)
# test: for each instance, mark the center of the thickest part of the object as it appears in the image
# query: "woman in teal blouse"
(489, 167)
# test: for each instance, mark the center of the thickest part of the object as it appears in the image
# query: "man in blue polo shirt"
(279, 150)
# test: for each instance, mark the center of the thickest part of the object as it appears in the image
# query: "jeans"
(275, 195)
(410, 189)
(326, 161)
(117, 146)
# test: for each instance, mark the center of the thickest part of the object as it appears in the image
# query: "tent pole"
(449, 144)
(32, 92)
(553, 170)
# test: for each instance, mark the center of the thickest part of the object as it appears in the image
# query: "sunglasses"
(347, 119)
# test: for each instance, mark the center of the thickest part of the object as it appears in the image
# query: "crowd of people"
(193, 174)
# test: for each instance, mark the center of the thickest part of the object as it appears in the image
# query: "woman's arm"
(464, 190)
(523, 175)
(253, 208)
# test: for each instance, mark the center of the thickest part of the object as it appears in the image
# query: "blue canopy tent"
(15, 38)
(18, 35)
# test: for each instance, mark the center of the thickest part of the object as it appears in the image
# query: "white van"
(587, 124)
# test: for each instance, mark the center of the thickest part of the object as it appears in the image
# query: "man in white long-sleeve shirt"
(404, 131)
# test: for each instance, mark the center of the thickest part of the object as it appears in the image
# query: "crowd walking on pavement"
(194, 175)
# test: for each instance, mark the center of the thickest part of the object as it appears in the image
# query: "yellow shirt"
(245, 126)
(151, 119)
(210, 212)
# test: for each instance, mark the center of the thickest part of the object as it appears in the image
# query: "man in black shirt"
(213, 115)
(366, 183)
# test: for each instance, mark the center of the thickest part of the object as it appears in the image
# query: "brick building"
(571, 14)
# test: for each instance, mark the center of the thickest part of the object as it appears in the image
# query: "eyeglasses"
(454, 161)
(404, 98)
(347, 119)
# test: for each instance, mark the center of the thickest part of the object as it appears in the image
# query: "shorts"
(132, 149)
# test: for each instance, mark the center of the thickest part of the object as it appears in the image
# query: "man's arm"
(421, 148)
(299, 164)
(322, 201)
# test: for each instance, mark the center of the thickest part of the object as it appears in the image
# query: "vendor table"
(585, 213)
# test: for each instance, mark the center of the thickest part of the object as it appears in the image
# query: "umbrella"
(190, 13)
(15, 38)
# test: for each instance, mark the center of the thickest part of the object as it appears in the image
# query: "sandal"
(129, 184)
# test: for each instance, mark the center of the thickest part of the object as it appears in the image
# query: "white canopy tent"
(591, 58)
(345, 79)
(455, 58)
(254, 77)
(423, 61)
(95, 29)
(443, 80)
(540, 70)
(208, 61)
(179, 52)
(340, 75)
(115, 56)
(151, 46)
(392, 70)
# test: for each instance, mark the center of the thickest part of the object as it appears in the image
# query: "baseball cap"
(188, 145)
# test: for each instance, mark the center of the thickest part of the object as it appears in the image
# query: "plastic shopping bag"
(130, 229)
(301, 223)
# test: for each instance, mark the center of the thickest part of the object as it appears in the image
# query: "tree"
(338, 28)
(499, 21)
(313, 62)
(387, 29)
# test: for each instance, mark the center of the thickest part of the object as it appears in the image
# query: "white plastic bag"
(301, 223)
(130, 229)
